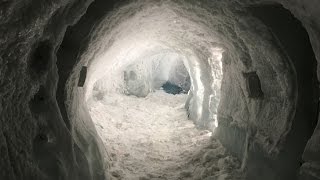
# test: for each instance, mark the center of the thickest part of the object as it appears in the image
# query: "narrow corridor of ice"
(151, 138)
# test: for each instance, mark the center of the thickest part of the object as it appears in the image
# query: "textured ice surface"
(206, 36)
(25, 24)
(151, 138)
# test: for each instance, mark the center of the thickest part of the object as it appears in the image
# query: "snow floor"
(152, 139)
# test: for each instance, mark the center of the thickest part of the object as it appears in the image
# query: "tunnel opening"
(129, 104)
(123, 83)
(172, 88)
(55, 89)
(139, 111)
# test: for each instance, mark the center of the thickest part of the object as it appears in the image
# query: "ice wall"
(38, 143)
(230, 34)
(170, 26)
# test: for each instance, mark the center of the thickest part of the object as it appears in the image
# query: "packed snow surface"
(152, 138)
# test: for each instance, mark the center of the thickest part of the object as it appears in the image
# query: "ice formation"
(47, 133)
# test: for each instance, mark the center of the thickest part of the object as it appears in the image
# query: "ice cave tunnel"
(159, 90)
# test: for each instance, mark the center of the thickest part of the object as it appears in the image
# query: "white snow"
(151, 138)
(198, 33)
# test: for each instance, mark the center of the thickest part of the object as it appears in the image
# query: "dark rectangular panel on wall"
(83, 76)
(253, 85)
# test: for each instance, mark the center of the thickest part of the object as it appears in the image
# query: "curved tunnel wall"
(257, 116)
(291, 96)
(18, 88)
(31, 136)
(294, 41)
(94, 157)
